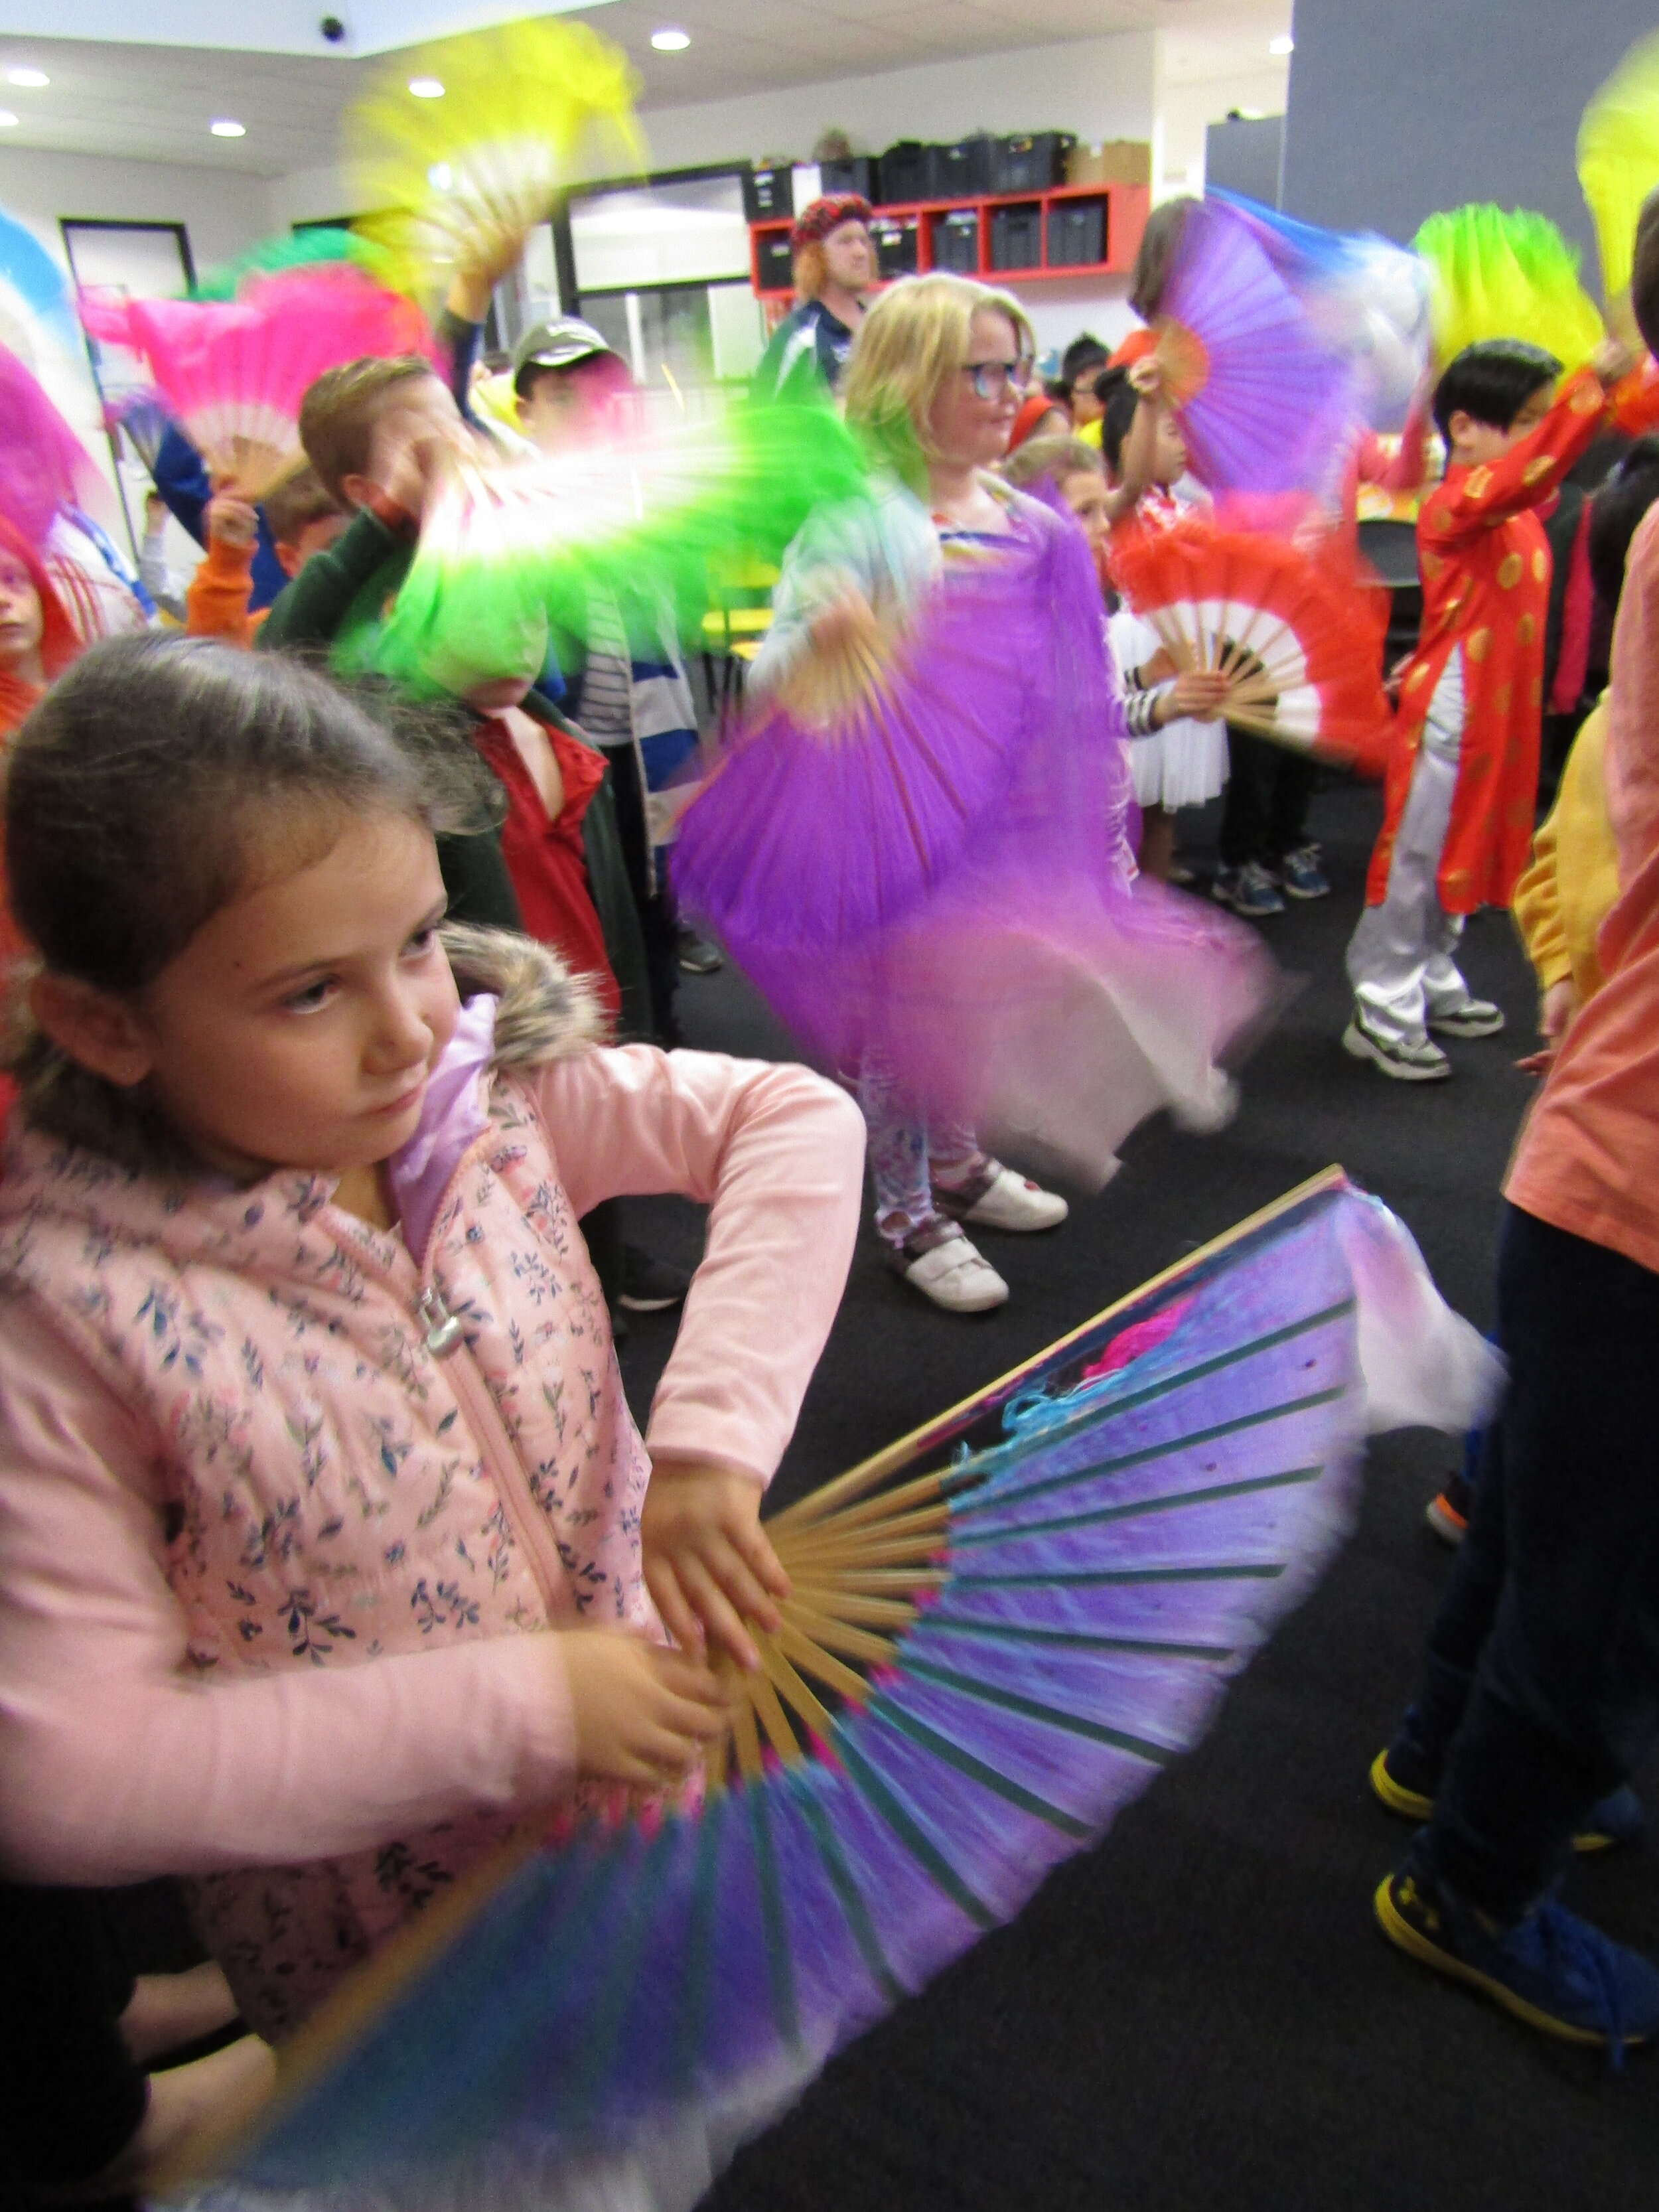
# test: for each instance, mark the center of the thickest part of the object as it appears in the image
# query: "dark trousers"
(657, 924)
(1541, 1684)
(1265, 812)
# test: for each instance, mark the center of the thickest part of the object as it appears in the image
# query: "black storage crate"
(1017, 237)
(961, 172)
(956, 241)
(1076, 233)
(769, 195)
(857, 174)
(904, 174)
(1031, 165)
(898, 243)
(773, 268)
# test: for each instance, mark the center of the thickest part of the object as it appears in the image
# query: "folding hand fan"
(1506, 275)
(984, 1658)
(43, 464)
(232, 374)
(1618, 158)
(915, 852)
(527, 109)
(1301, 652)
(1264, 401)
(530, 540)
(1363, 294)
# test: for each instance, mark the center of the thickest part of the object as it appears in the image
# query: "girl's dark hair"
(1159, 243)
(1119, 400)
(147, 789)
(1084, 355)
(1616, 513)
(1492, 381)
(1644, 272)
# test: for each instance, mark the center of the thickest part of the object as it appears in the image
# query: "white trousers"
(1399, 958)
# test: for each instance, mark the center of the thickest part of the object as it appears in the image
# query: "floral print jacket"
(283, 1500)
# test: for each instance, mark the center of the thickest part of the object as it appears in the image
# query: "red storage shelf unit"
(1059, 224)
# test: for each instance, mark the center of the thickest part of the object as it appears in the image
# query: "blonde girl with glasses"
(934, 384)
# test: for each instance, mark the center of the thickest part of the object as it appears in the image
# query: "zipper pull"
(443, 1329)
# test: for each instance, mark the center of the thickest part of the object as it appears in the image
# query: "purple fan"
(854, 793)
(43, 464)
(1037, 1624)
(939, 878)
(1264, 401)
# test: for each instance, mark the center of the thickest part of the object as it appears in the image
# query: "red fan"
(1300, 650)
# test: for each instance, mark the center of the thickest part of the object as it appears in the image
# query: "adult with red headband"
(835, 268)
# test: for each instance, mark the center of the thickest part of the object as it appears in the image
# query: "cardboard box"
(1118, 161)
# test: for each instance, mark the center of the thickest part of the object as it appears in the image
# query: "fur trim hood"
(545, 1014)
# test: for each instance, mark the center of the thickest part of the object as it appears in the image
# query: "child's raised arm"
(778, 1156)
(1531, 469)
(122, 1762)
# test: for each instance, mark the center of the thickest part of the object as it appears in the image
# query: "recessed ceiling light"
(671, 41)
(7, 120)
(427, 87)
(1282, 45)
(224, 128)
(440, 177)
(32, 80)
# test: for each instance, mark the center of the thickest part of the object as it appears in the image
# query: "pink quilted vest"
(351, 1473)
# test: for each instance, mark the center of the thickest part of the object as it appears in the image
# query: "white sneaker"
(1405, 1062)
(954, 1276)
(1006, 1200)
(1475, 1018)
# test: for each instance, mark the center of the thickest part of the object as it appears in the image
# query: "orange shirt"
(216, 599)
(1588, 1158)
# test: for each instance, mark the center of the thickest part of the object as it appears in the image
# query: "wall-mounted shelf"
(1058, 223)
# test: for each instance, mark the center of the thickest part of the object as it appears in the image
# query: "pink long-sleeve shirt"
(267, 1560)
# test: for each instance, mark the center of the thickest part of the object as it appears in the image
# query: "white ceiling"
(156, 102)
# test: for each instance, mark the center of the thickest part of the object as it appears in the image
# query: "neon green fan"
(1494, 275)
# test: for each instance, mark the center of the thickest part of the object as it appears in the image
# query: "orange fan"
(1300, 648)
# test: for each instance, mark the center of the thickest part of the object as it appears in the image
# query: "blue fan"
(39, 289)
(979, 1666)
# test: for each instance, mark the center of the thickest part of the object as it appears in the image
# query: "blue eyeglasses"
(991, 379)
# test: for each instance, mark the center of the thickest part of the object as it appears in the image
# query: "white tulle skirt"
(1184, 763)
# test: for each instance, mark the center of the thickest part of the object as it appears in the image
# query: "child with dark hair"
(1079, 366)
(1462, 777)
(327, 1560)
(1541, 1687)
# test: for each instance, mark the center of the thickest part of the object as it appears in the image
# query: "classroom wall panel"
(1398, 109)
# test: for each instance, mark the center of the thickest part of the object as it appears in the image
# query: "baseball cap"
(558, 344)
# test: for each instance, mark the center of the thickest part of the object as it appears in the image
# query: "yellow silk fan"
(522, 111)
(1618, 160)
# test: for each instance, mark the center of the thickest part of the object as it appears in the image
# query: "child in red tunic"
(1462, 775)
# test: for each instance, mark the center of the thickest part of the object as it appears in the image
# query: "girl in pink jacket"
(328, 1562)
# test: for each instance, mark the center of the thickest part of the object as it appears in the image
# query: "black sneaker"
(696, 955)
(1401, 1779)
(650, 1286)
(1551, 1969)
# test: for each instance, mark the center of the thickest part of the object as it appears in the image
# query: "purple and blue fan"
(1265, 399)
(1002, 1630)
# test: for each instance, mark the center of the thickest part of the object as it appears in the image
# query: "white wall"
(222, 209)
(1098, 87)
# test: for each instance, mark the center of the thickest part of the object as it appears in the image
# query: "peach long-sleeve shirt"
(1588, 1158)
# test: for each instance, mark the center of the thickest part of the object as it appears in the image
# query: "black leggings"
(1265, 814)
